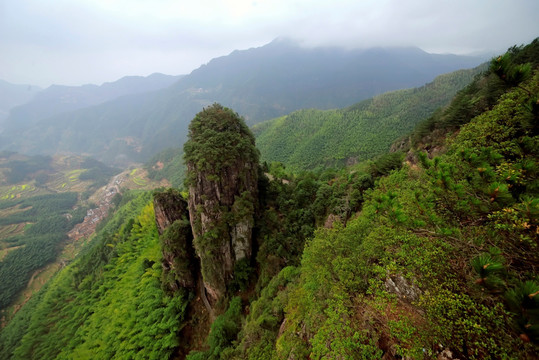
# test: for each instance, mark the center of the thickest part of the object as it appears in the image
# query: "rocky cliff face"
(222, 164)
(180, 264)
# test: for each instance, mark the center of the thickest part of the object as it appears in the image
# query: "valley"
(62, 176)
(276, 218)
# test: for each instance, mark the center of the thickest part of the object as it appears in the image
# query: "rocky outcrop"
(222, 163)
(401, 287)
(180, 264)
(169, 206)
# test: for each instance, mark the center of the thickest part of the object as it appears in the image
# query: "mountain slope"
(306, 139)
(260, 84)
(441, 254)
(433, 258)
(289, 77)
(12, 95)
(58, 99)
(441, 262)
(108, 303)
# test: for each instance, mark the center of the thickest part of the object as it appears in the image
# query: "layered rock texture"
(180, 264)
(222, 163)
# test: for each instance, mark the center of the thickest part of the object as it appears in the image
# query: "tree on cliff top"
(218, 137)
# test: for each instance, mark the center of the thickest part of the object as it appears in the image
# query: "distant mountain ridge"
(293, 77)
(12, 95)
(259, 83)
(58, 99)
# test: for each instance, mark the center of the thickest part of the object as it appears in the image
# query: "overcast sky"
(74, 42)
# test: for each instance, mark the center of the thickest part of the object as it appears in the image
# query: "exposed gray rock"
(398, 285)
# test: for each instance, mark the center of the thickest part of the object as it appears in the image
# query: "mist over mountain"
(58, 99)
(291, 77)
(259, 83)
(12, 95)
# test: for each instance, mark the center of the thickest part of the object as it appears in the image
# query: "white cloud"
(73, 42)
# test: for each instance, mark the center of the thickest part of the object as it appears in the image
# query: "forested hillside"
(12, 95)
(41, 199)
(306, 139)
(108, 303)
(442, 254)
(441, 260)
(430, 253)
(58, 99)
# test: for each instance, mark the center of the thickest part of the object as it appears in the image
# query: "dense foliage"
(108, 304)
(480, 95)
(433, 257)
(218, 138)
(167, 164)
(21, 170)
(306, 139)
(442, 257)
(296, 204)
(39, 244)
(442, 254)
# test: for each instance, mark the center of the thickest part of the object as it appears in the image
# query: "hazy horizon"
(92, 42)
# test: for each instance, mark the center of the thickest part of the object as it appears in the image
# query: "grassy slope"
(106, 304)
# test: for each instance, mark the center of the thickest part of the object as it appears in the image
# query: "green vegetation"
(167, 164)
(222, 178)
(106, 304)
(37, 211)
(442, 256)
(417, 228)
(296, 204)
(223, 331)
(260, 328)
(406, 255)
(306, 139)
(39, 244)
(479, 96)
(218, 138)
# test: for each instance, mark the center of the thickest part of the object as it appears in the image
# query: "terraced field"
(40, 200)
(139, 178)
(64, 176)
(68, 180)
(11, 230)
(10, 192)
